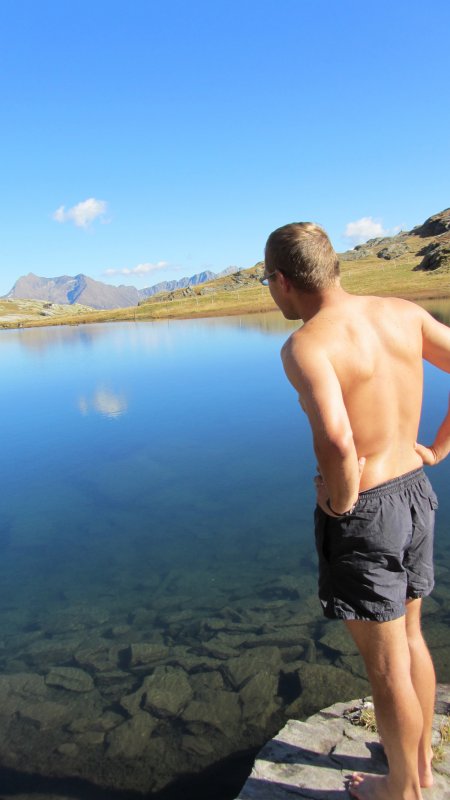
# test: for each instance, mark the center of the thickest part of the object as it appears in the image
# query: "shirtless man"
(356, 364)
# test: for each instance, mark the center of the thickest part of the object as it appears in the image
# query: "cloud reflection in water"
(104, 402)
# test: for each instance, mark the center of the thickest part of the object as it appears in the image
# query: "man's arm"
(313, 376)
(436, 341)
(436, 350)
(440, 448)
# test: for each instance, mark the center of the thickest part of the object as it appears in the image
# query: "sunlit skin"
(356, 364)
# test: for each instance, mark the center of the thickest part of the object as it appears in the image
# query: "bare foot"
(375, 787)
(369, 787)
(425, 772)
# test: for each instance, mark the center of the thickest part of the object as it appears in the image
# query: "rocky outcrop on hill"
(393, 251)
(404, 243)
(435, 225)
(436, 256)
(356, 254)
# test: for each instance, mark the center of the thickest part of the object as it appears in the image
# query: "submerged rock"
(287, 636)
(167, 691)
(113, 684)
(337, 638)
(45, 653)
(131, 739)
(198, 745)
(69, 749)
(97, 655)
(217, 649)
(26, 697)
(352, 664)
(217, 709)
(70, 678)
(143, 653)
(103, 723)
(321, 685)
(240, 669)
(203, 683)
(191, 662)
(258, 698)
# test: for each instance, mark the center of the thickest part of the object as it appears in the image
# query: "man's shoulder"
(303, 345)
(378, 311)
(395, 302)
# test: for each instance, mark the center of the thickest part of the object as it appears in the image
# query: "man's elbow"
(340, 444)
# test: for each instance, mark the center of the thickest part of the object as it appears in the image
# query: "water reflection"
(105, 402)
(42, 339)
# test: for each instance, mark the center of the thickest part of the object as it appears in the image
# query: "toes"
(354, 783)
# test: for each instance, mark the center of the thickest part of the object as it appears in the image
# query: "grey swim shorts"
(373, 560)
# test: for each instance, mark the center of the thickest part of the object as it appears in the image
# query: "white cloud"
(83, 214)
(363, 229)
(367, 228)
(141, 269)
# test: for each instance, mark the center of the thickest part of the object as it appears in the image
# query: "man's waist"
(379, 470)
(394, 484)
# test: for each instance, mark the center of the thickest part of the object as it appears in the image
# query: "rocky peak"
(435, 225)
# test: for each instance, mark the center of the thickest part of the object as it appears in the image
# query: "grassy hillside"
(363, 271)
(397, 276)
(15, 313)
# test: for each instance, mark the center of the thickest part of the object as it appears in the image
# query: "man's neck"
(308, 305)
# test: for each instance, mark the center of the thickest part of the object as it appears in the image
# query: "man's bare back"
(374, 346)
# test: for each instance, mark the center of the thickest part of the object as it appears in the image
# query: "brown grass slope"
(413, 264)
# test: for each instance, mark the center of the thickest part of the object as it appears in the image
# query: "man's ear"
(284, 282)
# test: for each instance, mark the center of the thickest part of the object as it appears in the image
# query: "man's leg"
(424, 681)
(385, 650)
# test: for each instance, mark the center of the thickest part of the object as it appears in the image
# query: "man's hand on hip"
(322, 493)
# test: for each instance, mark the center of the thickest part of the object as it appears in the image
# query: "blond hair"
(303, 252)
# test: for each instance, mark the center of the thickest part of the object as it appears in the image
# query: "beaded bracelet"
(344, 513)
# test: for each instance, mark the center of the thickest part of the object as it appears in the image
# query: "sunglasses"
(265, 278)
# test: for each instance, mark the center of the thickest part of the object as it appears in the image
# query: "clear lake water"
(158, 604)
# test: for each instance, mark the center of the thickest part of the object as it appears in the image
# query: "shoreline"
(132, 314)
(314, 757)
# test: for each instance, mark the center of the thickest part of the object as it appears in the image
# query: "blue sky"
(144, 141)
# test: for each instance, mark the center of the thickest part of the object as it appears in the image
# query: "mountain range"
(98, 295)
(406, 248)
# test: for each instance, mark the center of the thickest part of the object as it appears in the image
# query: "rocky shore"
(129, 703)
(131, 716)
(313, 759)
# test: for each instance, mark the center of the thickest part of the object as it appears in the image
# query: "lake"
(158, 597)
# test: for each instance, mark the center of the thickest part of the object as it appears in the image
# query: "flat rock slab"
(315, 758)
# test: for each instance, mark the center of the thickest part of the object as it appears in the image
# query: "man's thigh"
(383, 646)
